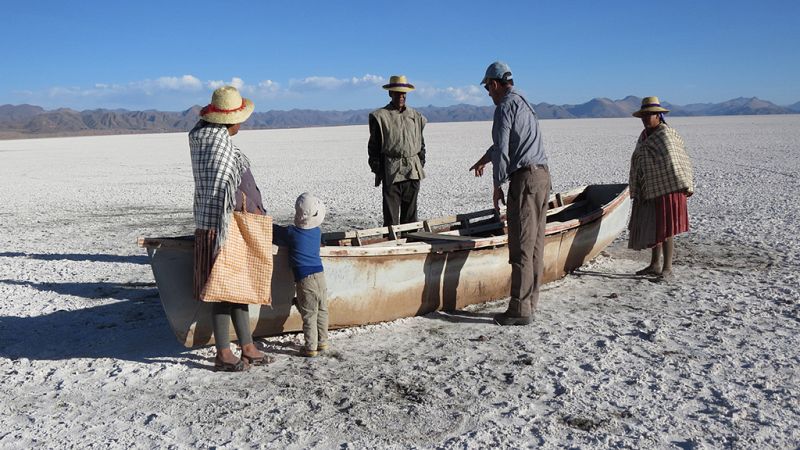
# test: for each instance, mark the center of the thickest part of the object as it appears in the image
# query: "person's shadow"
(126, 321)
(461, 316)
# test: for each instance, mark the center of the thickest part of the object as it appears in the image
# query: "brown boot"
(505, 319)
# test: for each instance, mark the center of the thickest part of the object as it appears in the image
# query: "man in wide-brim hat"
(396, 151)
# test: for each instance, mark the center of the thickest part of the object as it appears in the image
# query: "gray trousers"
(221, 316)
(528, 194)
(312, 302)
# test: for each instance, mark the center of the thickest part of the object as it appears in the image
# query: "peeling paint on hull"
(378, 284)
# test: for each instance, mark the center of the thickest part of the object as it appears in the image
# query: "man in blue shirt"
(517, 157)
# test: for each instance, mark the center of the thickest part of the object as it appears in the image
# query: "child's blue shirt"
(303, 248)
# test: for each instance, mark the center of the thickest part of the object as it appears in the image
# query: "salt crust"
(708, 360)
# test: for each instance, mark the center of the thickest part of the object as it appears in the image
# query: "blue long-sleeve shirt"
(516, 139)
(303, 248)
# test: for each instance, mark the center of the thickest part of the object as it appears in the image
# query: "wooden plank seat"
(428, 236)
(395, 230)
(461, 221)
(459, 225)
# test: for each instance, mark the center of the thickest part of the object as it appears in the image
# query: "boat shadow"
(90, 257)
(129, 325)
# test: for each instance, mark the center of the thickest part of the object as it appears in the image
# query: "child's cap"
(309, 211)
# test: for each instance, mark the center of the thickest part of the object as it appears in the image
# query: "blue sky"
(169, 55)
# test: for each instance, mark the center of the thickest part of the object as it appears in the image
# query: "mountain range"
(19, 121)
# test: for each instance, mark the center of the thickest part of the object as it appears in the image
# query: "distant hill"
(746, 106)
(13, 114)
(600, 107)
(794, 107)
(18, 121)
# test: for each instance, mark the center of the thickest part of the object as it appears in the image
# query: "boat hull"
(378, 284)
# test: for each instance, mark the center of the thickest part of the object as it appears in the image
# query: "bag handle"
(244, 202)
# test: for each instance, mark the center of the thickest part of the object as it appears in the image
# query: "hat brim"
(311, 222)
(231, 118)
(650, 110)
(399, 88)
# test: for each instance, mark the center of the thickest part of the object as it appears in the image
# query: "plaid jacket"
(660, 165)
(217, 165)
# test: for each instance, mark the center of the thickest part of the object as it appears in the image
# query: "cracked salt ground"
(707, 360)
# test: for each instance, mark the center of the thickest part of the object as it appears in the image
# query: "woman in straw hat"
(661, 180)
(222, 182)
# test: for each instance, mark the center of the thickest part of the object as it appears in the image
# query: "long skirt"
(655, 220)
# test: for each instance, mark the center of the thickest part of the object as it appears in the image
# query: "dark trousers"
(400, 202)
(528, 194)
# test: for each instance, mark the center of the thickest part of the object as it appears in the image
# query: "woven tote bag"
(242, 272)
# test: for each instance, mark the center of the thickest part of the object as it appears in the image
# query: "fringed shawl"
(217, 165)
(660, 165)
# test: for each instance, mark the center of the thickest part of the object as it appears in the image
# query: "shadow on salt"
(131, 327)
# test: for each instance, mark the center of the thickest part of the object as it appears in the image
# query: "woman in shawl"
(661, 180)
(223, 181)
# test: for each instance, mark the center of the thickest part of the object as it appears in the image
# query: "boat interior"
(562, 207)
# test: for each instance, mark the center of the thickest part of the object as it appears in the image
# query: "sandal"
(263, 361)
(221, 366)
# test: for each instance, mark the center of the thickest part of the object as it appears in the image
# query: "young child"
(303, 240)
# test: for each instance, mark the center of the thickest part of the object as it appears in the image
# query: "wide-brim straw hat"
(309, 211)
(650, 105)
(227, 107)
(398, 83)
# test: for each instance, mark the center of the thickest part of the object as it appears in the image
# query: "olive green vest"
(401, 134)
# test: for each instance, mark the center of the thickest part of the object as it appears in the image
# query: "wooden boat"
(383, 274)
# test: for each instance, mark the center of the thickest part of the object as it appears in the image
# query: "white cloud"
(184, 82)
(449, 95)
(236, 82)
(332, 83)
(169, 91)
(265, 88)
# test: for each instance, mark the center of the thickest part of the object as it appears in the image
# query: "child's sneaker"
(322, 346)
(308, 353)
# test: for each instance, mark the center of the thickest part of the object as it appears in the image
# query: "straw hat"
(309, 211)
(650, 105)
(399, 83)
(227, 107)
